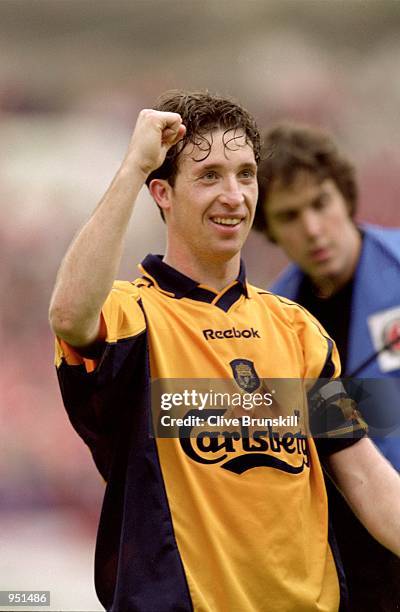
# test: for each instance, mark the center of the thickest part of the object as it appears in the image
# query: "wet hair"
(289, 148)
(203, 113)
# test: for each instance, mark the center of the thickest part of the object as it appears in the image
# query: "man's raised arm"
(91, 263)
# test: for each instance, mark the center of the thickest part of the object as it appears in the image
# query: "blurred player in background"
(347, 275)
(202, 522)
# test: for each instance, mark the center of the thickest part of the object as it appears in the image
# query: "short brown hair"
(290, 147)
(201, 113)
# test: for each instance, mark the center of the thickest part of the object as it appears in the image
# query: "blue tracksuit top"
(376, 290)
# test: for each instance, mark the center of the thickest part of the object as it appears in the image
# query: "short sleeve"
(99, 394)
(321, 357)
(121, 318)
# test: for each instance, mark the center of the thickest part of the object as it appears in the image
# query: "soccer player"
(347, 276)
(225, 520)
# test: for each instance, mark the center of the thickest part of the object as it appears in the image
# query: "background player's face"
(213, 201)
(309, 219)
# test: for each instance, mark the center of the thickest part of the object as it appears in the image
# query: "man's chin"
(227, 249)
(323, 270)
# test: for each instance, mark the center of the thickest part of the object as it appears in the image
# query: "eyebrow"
(295, 209)
(284, 211)
(217, 166)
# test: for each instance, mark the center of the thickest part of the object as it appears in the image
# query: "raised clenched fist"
(155, 132)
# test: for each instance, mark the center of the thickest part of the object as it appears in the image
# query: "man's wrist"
(132, 169)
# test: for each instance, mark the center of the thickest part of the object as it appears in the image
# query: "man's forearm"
(91, 263)
(372, 488)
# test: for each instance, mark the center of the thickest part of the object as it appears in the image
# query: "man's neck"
(328, 287)
(216, 274)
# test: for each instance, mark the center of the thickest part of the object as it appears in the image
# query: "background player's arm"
(91, 263)
(372, 489)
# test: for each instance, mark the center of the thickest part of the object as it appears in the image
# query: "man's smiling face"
(213, 200)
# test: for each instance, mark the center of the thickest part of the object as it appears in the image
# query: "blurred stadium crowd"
(67, 106)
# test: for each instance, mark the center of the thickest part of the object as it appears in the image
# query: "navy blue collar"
(178, 285)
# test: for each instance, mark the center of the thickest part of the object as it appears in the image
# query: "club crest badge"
(245, 374)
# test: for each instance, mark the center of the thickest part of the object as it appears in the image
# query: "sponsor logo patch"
(384, 327)
(241, 450)
(391, 336)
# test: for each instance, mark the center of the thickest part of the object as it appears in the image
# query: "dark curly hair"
(290, 147)
(201, 113)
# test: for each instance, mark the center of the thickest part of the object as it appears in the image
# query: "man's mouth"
(320, 255)
(231, 221)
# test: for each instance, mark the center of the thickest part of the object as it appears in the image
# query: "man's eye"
(286, 217)
(247, 173)
(210, 175)
(321, 202)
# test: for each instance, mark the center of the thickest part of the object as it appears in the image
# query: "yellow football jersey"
(223, 519)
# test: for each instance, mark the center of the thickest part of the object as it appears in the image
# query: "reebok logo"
(220, 334)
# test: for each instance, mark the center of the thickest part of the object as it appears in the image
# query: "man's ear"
(160, 191)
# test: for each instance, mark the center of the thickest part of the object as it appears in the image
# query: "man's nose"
(231, 193)
(311, 223)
